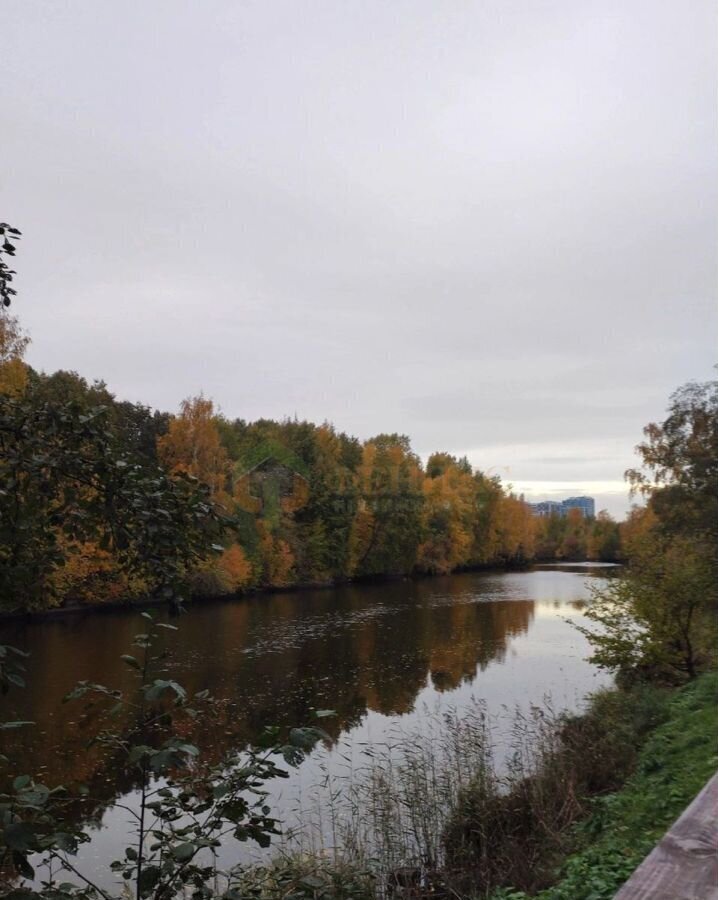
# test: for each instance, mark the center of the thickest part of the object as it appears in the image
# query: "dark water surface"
(381, 656)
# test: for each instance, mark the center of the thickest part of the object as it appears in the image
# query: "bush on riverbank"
(674, 764)
(512, 828)
(303, 877)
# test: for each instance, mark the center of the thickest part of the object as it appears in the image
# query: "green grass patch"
(677, 759)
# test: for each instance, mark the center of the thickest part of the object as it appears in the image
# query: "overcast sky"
(490, 225)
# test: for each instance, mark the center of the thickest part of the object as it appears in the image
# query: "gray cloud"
(488, 225)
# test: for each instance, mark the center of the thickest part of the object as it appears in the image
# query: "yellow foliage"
(640, 523)
(13, 377)
(449, 505)
(516, 528)
(193, 445)
(13, 343)
(91, 575)
(360, 535)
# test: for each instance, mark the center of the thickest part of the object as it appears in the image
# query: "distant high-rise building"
(587, 506)
(546, 508)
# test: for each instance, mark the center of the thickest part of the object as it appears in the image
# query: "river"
(387, 658)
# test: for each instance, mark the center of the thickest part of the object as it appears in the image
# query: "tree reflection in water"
(360, 650)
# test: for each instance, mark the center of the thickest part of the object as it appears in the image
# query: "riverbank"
(677, 759)
(70, 609)
(602, 790)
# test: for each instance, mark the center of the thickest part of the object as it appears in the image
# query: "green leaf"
(131, 661)
(306, 738)
(22, 865)
(183, 852)
(159, 686)
(148, 880)
(65, 841)
(20, 836)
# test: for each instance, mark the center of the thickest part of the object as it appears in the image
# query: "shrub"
(512, 829)
(303, 877)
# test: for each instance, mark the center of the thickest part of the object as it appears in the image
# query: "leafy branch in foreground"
(186, 805)
(7, 248)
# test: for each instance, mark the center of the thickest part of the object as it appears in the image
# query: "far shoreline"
(77, 609)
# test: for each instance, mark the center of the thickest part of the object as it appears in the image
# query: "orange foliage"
(516, 529)
(91, 575)
(277, 558)
(193, 445)
(226, 574)
(236, 568)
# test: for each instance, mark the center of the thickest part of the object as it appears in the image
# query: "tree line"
(93, 489)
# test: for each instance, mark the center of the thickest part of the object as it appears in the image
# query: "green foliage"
(64, 478)
(573, 537)
(658, 615)
(187, 805)
(391, 493)
(680, 461)
(303, 878)
(676, 761)
(510, 828)
(133, 426)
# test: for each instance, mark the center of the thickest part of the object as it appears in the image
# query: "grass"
(562, 808)
(514, 827)
(675, 762)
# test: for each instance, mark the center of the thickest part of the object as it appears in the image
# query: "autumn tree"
(604, 539)
(486, 540)
(575, 538)
(67, 483)
(13, 343)
(516, 530)
(448, 511)
(229, 573)
(660, 615)
(679, 461)
(324, 521)
(192, 445)
(387, 527)
(550, 532)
